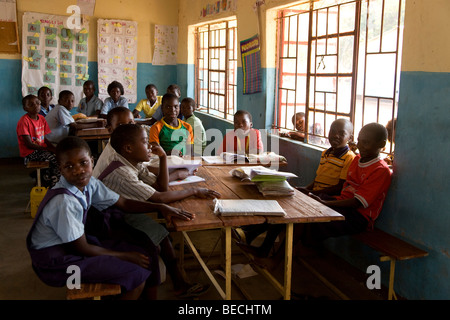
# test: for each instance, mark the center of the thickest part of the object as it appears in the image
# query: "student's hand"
(136, 258)
(170, 212)
(206, 193)
(315, 197)
(157, 150)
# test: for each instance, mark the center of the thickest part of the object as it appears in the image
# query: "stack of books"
(269, 182)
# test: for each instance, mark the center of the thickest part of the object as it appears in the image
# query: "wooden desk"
(299, 209)
(93, 133)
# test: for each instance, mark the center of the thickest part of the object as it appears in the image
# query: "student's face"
(32, 106)
(115, 94)
(300, 123)
(243, 123)
(76, 166)
(368, 146)
(140, 150)
(339, 135)
(171, 109)
(88, 90)
(45, 96)
(68, 101)
(120, 119)
(186, 109)
(151, 94)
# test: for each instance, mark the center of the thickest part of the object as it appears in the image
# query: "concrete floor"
(18, 281)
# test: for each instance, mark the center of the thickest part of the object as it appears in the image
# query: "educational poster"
(166, 42)
(117, 56)
(53, 55)
(251, 64)
(218, 6)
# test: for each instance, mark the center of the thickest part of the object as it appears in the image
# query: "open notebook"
(247, 207)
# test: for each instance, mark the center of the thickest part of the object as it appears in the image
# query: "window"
(338, 59)
(216, 68)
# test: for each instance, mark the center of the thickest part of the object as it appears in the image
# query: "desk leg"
(228, 263)
(288, 261)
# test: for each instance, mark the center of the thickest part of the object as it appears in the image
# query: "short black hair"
(294, 117)
(348, 125)
(70, 143)
(151, 86)
(89, 82)
(168, 96)
(26, 98)
(190, 101)
(43, 88)
(174, 87)
(65, 93)
(124, 134)
(114, 112)
(379, 130)
(243, 112)
(116, 84)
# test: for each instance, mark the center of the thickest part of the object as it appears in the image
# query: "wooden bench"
(391, 249)
(93, 291)
(38, 165)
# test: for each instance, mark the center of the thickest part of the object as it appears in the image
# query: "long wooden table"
(299, 209)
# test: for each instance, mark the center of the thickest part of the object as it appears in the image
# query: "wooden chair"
(94, 291)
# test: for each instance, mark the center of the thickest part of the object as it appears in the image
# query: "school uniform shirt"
(149, 110)
(199, 133)
(249, 144)
(106, 157)
(333, 167)
(135, 182)
(44, 111)
(61, 220)
(58, 119)
(109, 104)
(90, 108)
(368, 182)
(169, 137)
(36, 129)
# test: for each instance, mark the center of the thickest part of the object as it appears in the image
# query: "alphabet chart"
(53, 55)
(117, 56)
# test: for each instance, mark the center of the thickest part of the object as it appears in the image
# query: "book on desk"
(247, 207)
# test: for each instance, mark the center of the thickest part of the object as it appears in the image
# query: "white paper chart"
(117, 56)
(53, 55)
(166, 42)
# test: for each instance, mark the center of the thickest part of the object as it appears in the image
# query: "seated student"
(45, 95)
(115, 99)
(244, 139)
(57, 238)
(188, 107)
(158, 115)
(116, 117)
(298, 120)
(330, 177)
(90, 105)
(128, 176)
(60, 120)
(334, 162)
(175, 136)
(33, 145)
(360, 200)
(149, 105)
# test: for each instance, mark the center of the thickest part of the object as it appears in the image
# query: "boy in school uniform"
(188, 107)
(128, 176)
(90, 105)
(244, 139)
(175, 136)
(57, 238)
(33, 145)
(60, 120)
(115, 99)
(117, 117)
(149, 105)
(360, 200)
(45, 95)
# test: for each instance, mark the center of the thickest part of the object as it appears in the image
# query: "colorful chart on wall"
(251, 64)
(166, 43)
(53, 55)
(117, 56)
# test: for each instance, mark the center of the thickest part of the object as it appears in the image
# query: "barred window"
(338, 59)
(216, 68)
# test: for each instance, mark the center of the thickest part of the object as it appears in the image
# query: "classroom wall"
(416, 208)
(147, 13)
